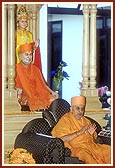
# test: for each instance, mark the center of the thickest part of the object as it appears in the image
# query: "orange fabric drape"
(33, 85)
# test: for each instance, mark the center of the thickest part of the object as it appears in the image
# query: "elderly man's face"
(26, 58)
(78, 111)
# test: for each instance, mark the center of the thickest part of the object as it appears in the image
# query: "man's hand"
(84, 128)
(92, 128)
(37, 42)
(55, 95)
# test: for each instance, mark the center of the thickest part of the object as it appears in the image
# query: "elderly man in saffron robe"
(79, 135)
(30, 84)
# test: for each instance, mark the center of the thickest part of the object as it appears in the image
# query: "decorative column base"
(92, 99)
(93, 103)
(11, 101)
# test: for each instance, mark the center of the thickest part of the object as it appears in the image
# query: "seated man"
(30, 84)
(79, 135)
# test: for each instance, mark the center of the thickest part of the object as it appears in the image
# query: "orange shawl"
(33, 85)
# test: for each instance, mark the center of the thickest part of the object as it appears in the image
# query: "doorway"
(104, 53)
(54, 49)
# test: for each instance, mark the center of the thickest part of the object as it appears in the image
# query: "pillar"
(10, 94)
(93, 67)
(85, 55)
(11, 46)
(5, 45)
(89, 58)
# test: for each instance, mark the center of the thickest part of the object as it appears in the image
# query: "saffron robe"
(33, 86)
(25, 36)
(83, 145)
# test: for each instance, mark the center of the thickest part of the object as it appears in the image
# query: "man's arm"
(75, 134)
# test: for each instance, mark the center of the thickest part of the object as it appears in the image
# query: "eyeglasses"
(28, 54)
(79, 108)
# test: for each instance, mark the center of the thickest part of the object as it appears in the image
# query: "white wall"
(72, 54)
(43, 39)
(72, 34)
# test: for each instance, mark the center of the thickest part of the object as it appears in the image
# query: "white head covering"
(78, 100)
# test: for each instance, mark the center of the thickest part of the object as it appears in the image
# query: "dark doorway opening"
(54, 49)
(104, 53)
